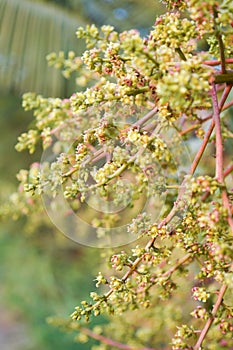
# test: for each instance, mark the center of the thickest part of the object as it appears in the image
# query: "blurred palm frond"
(28, 32)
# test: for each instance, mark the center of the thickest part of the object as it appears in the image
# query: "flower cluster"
(180, 339)
(200, 294)
(203, 184)
(225, 12)
(69, 65)
(182, 79)
(176, 28)
(203, 15)
(178, 5)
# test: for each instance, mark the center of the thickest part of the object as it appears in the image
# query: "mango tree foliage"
(172, 287)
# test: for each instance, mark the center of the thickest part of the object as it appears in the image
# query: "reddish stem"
(219, 139)
(225, 202)
(196, 159)
(219, 156)
(228, 170)
(179, 263)
(195, 126)
(109, 341)
(209, 132)
(211, 318)
(141, 121)
(216, 62)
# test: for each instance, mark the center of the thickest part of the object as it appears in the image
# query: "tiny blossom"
(224, 325)
(119, 260)
(27, 140)
(200, 312)
(159, 232)
(200, 294)
(100, 279)
(203, 184)
(138, 251)
(107, 29)
(131, 41)
(140, 225)
(116, 283)
(46, 137)
(178, 4)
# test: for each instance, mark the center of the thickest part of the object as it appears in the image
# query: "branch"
(100, 154)
(142, 120)
(219, 140)
(216, 62)
(122, 346)
(220, 42)
(181, 54)
(109, 341)
(209, 131)
(211, 318)
(228, 170)
(226, 173)
(226, 204)
(173, 211)
(179, 263)
(219, 156)
(201, 121)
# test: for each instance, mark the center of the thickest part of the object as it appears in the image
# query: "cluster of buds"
(177, 28)
(200, 294)
(118, 261)
(203, 184)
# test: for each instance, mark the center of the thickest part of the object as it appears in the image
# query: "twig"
(142, 121)
(216, 62)
(219, 156)
(181, 54)
(228, 170)
(179, 263)
(100, 154)
(226, 173)
(209, 131)
(211, 318)
(219, 140)
(201, 121)
(220, 43)
(224, 78)
(109, 341)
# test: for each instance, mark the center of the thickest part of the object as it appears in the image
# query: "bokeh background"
(42, 273)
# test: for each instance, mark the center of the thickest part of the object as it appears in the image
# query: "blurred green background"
(43, 273)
